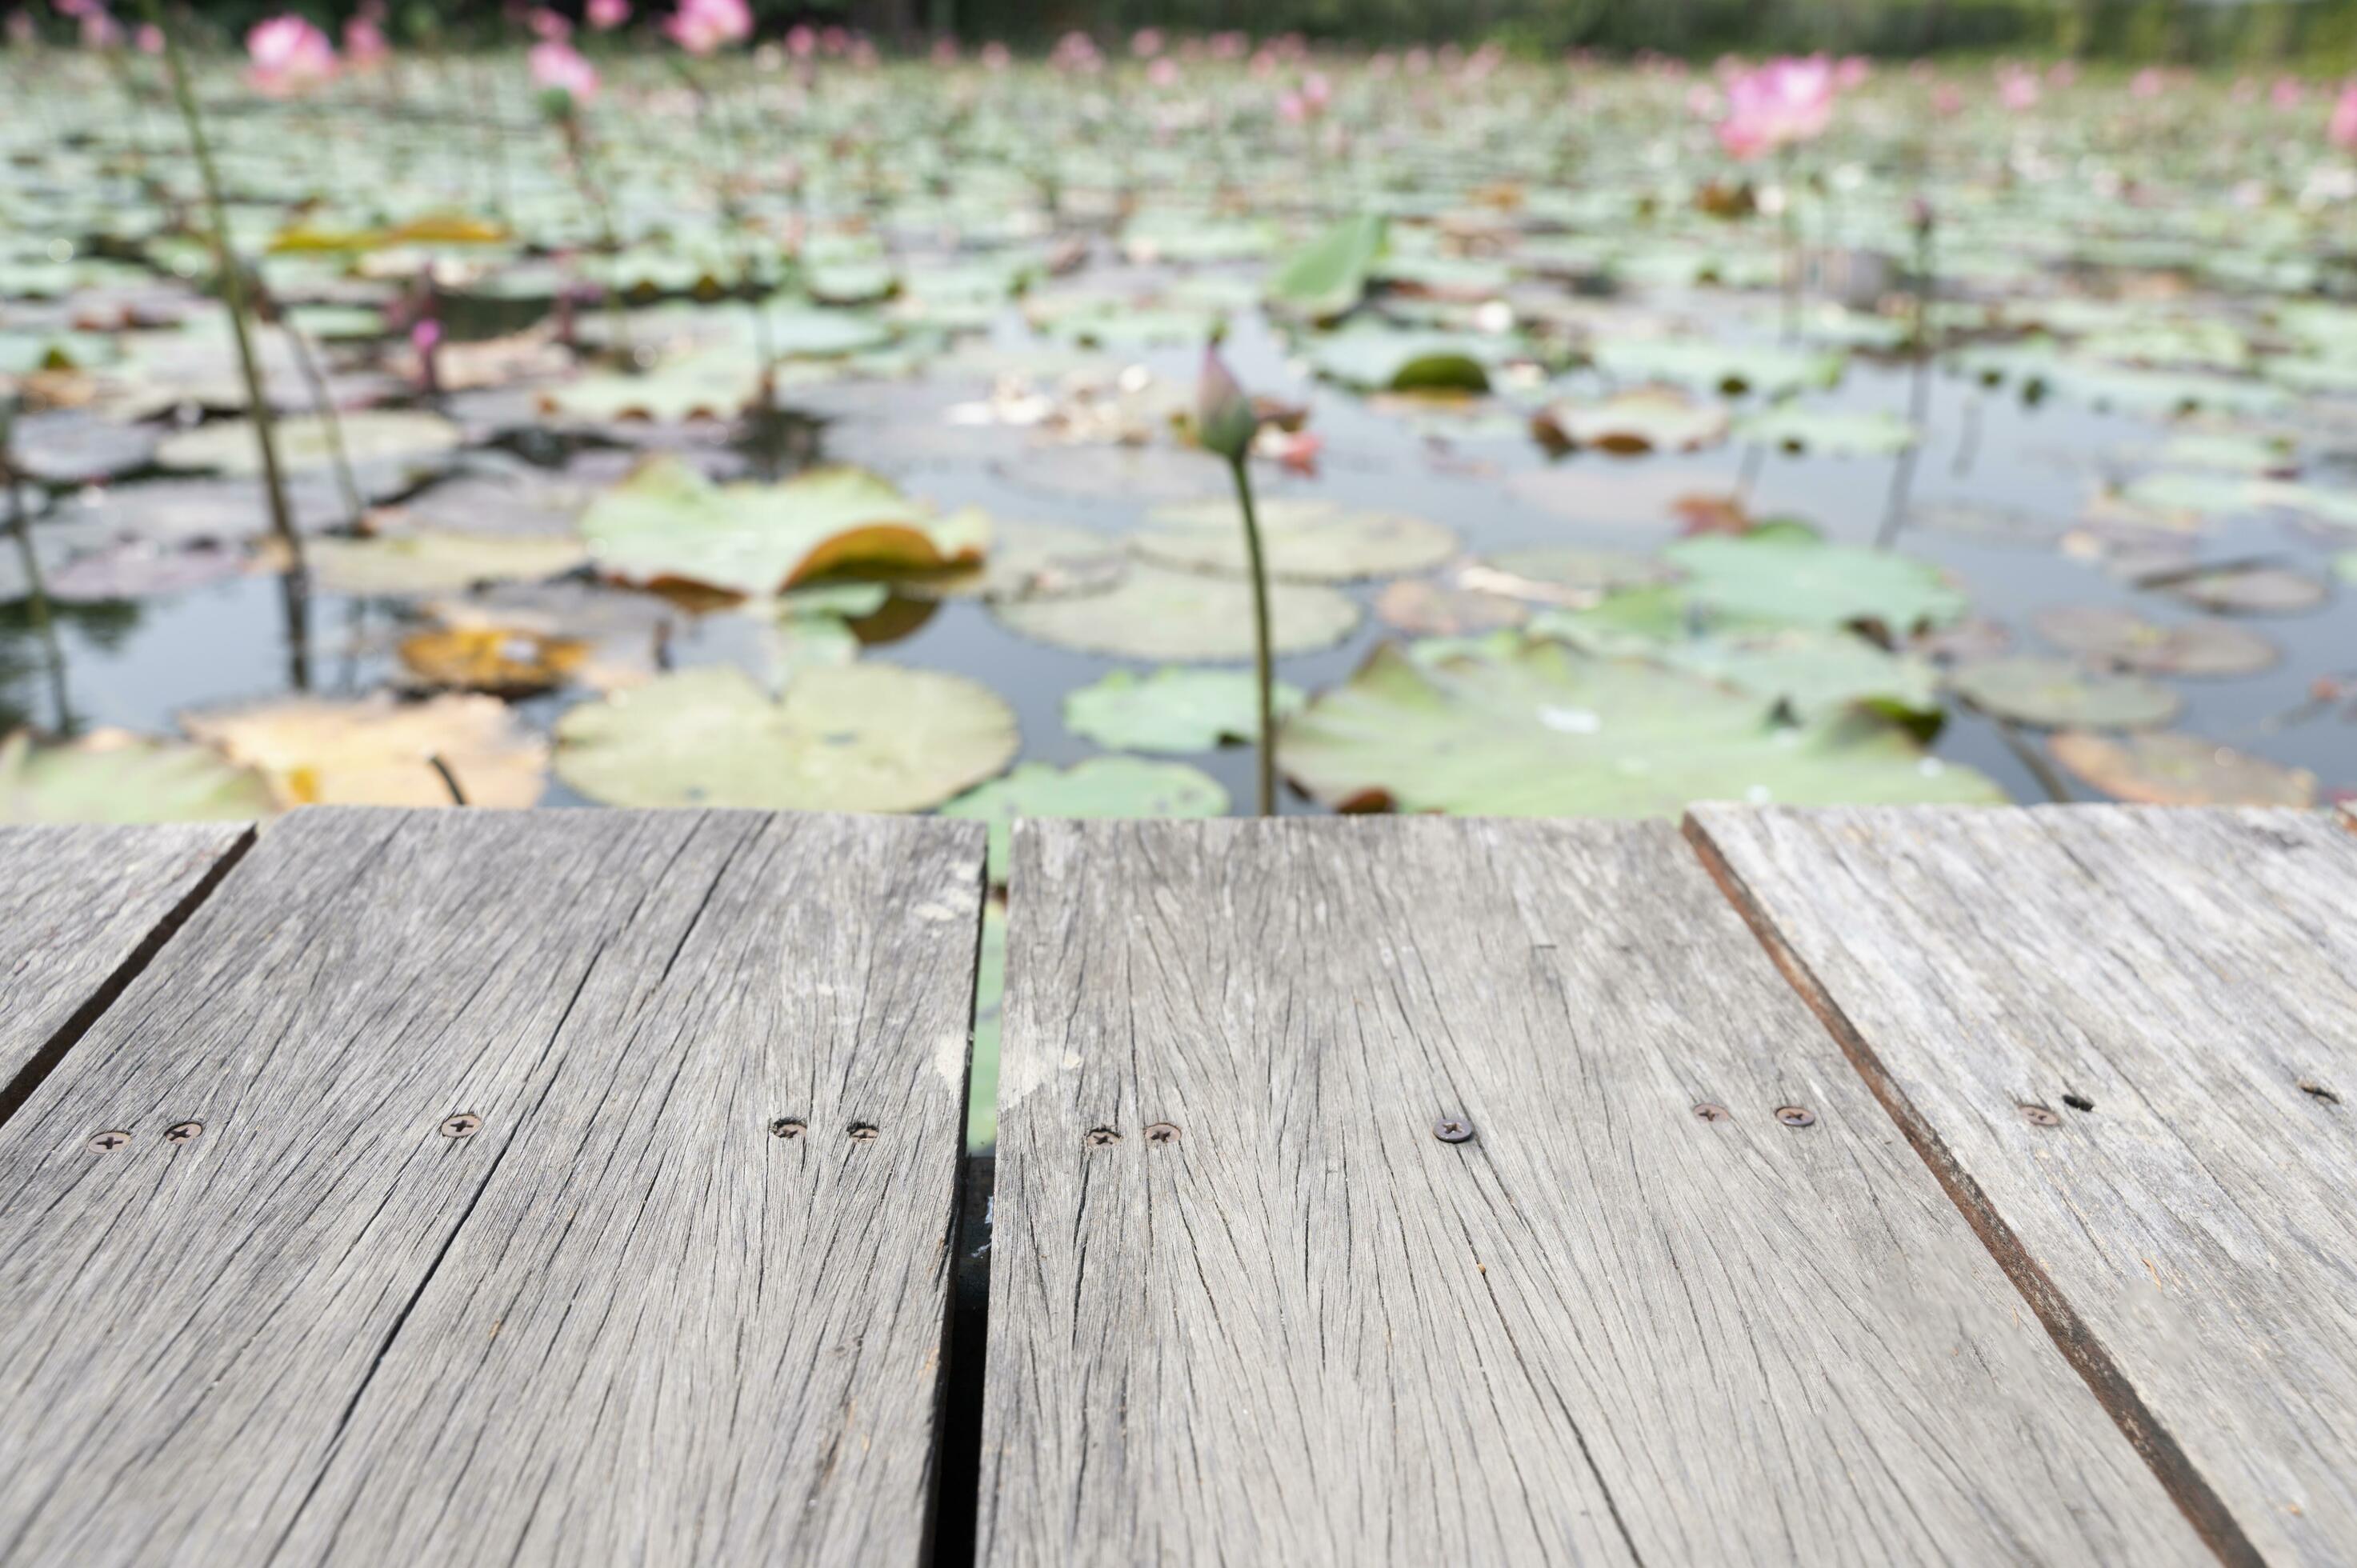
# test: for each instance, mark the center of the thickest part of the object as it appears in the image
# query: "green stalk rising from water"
(1225, 423)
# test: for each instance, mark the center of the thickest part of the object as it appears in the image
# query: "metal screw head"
(182, 1132)
(1099, 1137)
(863, 1133)
(788, 1127)
(465, 1124)
(1711, 1113)
(1796, 1116)
(106, 1142)
(2039, 1116)
(1452, 1130)
(1162, 1132)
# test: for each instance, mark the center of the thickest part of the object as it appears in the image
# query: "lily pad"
(1787, 576)
(1545, 730)
(2054, 694)
(1437, 610)
(1328, 276)
(2173, 769)
(136, 569)
(1031, 561)
(1813, 671)
(854, 738)
(370, 436)
(667, 525)
(1309, 541)
(505, 660)
(2251, 590)
(1646, 419)
(1375, 358)
(111, 776)
(73, 446)
(1729, 368)
(430, 560)
(373, 751)
(1570, 574)
(1100, 787)
(1172, 709)
(1190, 616)
(1828, 432)
(2125, 639)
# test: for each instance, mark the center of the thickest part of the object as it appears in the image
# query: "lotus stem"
(1263, 672)
(1918, 392)
(323, 406)
(266, 434)
(45, 626)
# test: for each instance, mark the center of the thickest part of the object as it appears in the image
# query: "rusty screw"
(863, 1132)
(788, 1127)
(1452, 1130)
(465, 1124)
(182, 1132)
(106, 1142)
(2039, 1116)
(1796, 1116)
(1099, 1137)
(1162, 1132)
(1710, 1113)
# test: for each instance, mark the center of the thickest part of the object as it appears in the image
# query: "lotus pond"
(817, 434)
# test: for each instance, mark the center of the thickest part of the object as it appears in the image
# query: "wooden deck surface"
(578, 1188)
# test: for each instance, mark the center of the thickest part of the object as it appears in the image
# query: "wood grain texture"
(81, 908)
(621, 1321)
(2189, 1238)
(1605, 1329)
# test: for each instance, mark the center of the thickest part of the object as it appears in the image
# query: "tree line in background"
(2191, 32)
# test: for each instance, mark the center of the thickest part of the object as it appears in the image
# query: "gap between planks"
(2080, 1346)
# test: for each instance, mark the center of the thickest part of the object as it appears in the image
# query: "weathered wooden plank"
(81, 908)
(617, 1318)
(1305, 1329)
(2187, 1232)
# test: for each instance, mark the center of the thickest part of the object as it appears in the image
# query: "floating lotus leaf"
(1729, 368)
(1814, 672)
(1172, 709)
(1571, 574)
(1031, 561)
(430, 560)
(1647, 419)
(2251, 590)
(136, 569)
(1437, 610)
(373, 751)
(1309, 541)
(715, 384)
(1190, 616)
(2054, 694)
(506, 660)
(1376, 358)
(667, 525)
(394, 437)
(73, 446)
(855, 737)
(1787, 576)
(1328, 276)
(1541, 729)
(1828, 432)
(1100, 787)
(111, 776)
(2123, 637)
(2173, 769)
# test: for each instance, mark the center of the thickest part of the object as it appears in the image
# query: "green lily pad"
(2173, 769)
(1186, 616)
(1172, 709)
(1645, 418)
(1787, 576)
(854, 738)
(1571, 574)
(2251, 590)
(1828, 432)
(1309, 541)
(1730, 368)
(110, 775)
(1438, 610)
(1545, 730)
(1100, 787)
(2054, 694)
(433, 561)
(712, 384)
(1329, 275)
(1375, 358)
(1813, 671)
(1031, 561)
(370, 436)
(2123, 637)
(667, 525)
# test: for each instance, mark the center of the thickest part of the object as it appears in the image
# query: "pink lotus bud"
(1146, 43)
(2340, 130)
(705, 26)
(1224, 418)
(286, 56)
(605, 16)
(558, 67)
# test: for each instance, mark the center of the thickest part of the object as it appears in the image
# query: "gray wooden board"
(2192, 1237)
(80, 908)
(620, 1322)
(1606, 1329)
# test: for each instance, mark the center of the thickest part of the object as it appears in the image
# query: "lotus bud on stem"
(1225, 423)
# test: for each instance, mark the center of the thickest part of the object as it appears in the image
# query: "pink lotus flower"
(558, 67)
(801, 40)
(2149, 82)
(605, 16)
(945, 50)
(996, 55)
(1852, 71)
(286, 56)
(2286, 93)
(2341, 129)
(548, 25)
(100, 30)
(1146, 43)
(1781, 104)
(2017, 87)
(148, 39)
(1163, 72)
(1075, 51)
(364, 43)
(704, 26)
